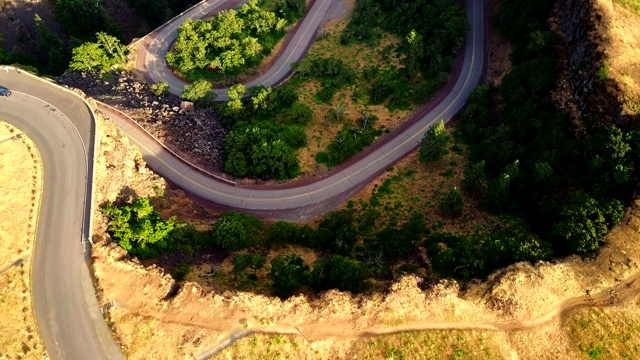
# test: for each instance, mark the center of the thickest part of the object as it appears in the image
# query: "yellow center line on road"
(412, 137)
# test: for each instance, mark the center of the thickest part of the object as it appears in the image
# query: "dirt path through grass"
(316, 330)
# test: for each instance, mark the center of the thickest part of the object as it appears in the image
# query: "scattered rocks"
(193, 131)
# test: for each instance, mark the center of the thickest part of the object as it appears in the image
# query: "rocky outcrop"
(595, 96)
(193, 131)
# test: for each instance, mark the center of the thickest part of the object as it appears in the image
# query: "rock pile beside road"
(193, 131)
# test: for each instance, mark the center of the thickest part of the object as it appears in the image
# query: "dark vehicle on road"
(4, 91)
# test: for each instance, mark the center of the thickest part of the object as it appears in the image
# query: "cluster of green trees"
(106, 52)
(292, 10)
(433, 30)
(226, 43)
(83, 18)
(139, 229)
(528, 159)
(267, 126)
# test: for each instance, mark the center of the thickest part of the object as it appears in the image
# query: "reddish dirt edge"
(321, 207)
(232, 5)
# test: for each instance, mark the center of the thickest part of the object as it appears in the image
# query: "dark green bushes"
(227, 43)
(83, 18)
(338, 272)
(432, 31)
(263, 150)
(288, 273)
(265, 146)
(467, 257)
(233, 231)
(333, 74)
(526, 159)
(350, 141)
(292, 10)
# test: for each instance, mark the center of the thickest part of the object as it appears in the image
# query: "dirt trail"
(315, 330)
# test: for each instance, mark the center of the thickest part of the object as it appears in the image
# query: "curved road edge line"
(134, 123)
(88, 283)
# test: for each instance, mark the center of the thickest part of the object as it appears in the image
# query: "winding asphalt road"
(63, 129)
(64, 301)
(153, 49)
(307, 199)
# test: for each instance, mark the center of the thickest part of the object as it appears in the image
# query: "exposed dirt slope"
(153, 317)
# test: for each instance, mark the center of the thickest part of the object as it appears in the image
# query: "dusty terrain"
(500, 318)
(572, 308)
(620, 40)
(21, 188)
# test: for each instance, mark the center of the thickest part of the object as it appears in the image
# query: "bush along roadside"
(354, 250)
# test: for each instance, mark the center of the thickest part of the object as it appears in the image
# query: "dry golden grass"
(319, 132)
(415, 186)
(606, 333)
(618, 30)
(21, 187)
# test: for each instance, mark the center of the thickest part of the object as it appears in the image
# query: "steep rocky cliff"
(597, 48)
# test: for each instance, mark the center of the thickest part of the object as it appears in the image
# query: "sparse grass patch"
(412, 186)
(428, 345)
(352, 99)
(632, 4)
(605, 333)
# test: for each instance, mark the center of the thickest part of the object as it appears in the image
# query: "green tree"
(103, 54)
(282, 232)
(413, 49)
(452, 202)
(261, 150)
(338, 272)
(513, 243)
(234, 231)
(225, 43)
(198, 92)
(260, 99)
(288, 273)
(138, 228)
(336, 232)
(475, 179)
(233, 107)
(291, 10)
(435, 144)
(56, 53)
(584, 222)
(83, 18)
(248, 261)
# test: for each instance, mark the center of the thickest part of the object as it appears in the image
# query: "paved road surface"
(65, 306)
(305, 198)
(154, 49)
(64, 300)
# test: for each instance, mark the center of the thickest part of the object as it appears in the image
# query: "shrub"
(288, 273)
(138, 228)
(103, 54)
(198, 92)
(451, 204)
(434, 144)
(322, 157)
(233, 231)
(282, 232)
(161, 88)
(338, 272)
(246, 261)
